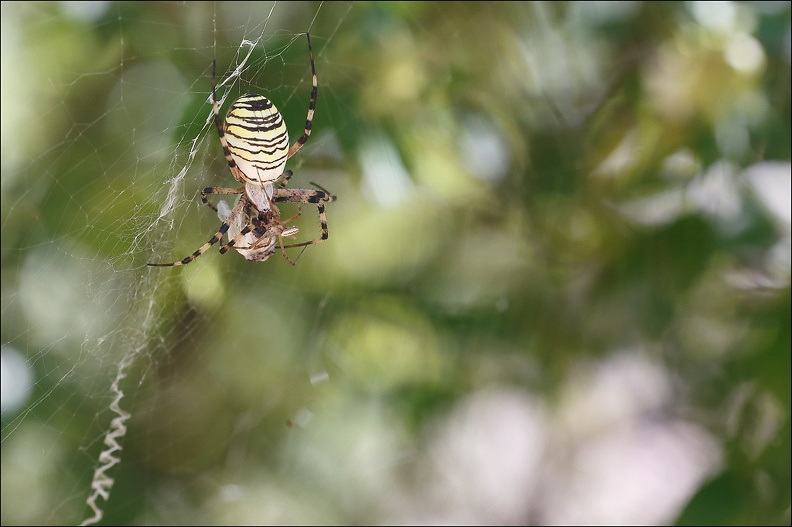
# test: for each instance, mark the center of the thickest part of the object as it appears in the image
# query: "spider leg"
(218, 190)
(301, 195)
(213, 240)
(232, 243)
(205, 247)
(235, 171)
(328, 197)
(322, 222)
(311, 105)
(284, 178)
(283, 251)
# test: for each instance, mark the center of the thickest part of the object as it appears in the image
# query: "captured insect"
(255, 142)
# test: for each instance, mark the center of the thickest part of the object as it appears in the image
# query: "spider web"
(548, 271)
(135, 158)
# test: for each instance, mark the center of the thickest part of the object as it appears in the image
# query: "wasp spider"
(255, 142)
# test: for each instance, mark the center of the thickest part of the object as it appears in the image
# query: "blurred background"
(556, 288)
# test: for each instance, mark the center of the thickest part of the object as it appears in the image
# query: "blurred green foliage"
(526, 192)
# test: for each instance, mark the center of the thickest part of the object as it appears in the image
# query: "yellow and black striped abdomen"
(257, 138)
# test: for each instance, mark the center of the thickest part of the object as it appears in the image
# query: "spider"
(255, 142)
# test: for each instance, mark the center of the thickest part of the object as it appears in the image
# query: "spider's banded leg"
(218, 190)
(205, 247)
(301, 195)
(315, 197)
(235, 171)
(311, 105)
(328, 196)
(322, 222)
(213, 240)
(284, 178)
(232, 243)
